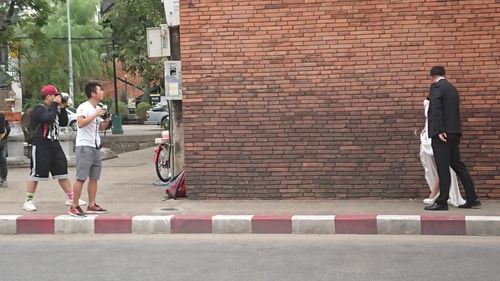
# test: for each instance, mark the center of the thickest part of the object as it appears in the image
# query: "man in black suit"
(445, 132)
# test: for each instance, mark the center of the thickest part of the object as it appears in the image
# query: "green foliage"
(32, 101)
(45, 59)
(122, 110)
(129, 20)
(108, 102)
(5, 79)
(141, 109)
(13, 12)
(79, 99)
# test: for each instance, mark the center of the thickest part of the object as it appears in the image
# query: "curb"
(253, 224)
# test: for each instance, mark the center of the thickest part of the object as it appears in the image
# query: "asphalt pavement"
(249, 257)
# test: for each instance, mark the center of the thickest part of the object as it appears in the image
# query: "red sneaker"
(96, 209)
(76, 212)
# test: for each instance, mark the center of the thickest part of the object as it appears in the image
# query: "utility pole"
(116, 120)
(176, 128)
(70, 54)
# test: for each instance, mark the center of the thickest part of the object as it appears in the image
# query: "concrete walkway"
(137, 206)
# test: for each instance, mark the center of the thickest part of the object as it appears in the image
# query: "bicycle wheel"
(162, 164)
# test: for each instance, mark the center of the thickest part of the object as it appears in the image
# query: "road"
(248, 257)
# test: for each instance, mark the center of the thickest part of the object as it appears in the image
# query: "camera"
(107, 114)
(65, 99)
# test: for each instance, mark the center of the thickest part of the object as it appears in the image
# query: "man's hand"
(57, 99)
(443, 137)
(101, 112)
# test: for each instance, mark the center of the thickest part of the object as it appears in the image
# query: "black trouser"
(447, 154)
(3, 162)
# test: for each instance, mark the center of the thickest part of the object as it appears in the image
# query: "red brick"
(346, 80)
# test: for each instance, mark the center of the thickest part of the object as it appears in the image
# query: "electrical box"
(158, 41)
(173, 80)
(172, 12)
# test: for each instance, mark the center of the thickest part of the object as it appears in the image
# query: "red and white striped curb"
(285, 224)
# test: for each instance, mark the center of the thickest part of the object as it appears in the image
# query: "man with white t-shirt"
(88, 143)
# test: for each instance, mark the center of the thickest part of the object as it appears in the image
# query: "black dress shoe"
(437, 207)
(469, 205)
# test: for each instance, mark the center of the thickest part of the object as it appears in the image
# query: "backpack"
(26, 124)
(2, 124)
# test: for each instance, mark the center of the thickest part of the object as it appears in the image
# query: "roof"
(124, 81)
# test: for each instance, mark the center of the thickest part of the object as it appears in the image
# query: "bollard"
(67, 141)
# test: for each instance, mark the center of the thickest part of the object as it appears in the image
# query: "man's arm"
(83, 121)
(45, 115)
(435, 110)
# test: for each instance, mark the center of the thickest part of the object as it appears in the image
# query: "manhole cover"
(170, 209)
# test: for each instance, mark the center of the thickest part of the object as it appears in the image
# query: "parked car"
(72, 118)
(158, 115)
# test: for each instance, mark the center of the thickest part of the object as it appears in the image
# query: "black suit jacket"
(444, 109)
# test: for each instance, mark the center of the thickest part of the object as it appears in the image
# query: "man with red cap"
(47, 155)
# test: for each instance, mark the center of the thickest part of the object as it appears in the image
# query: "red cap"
(49, 90)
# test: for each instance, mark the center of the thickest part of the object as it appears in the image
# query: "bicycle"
(163, 157)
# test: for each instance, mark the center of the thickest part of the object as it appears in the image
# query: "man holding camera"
(47, 155)
(90, 119)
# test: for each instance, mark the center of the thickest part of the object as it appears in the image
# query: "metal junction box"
(173, 80)
(158, 41)
(172, 12)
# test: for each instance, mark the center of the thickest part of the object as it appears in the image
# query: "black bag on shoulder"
(26, 124)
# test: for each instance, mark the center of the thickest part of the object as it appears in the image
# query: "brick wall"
(323, 99)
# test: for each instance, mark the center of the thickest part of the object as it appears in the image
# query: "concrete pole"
(177, 129)
(70, 54)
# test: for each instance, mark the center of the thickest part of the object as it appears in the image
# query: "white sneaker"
(69, 202)
(29, 206)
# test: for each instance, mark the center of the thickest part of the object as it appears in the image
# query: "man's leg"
(92, 189)
(30, 193)
(77, 192)
(65, 185)
(3, 164)
(39, 164)
(442, 157)
(459, 167)
(94, 175)
(31, 187)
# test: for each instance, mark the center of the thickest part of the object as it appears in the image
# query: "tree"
(44, 57)
(11, 13)
(129, 20)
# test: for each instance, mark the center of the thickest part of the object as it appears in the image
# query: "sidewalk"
(137, 206)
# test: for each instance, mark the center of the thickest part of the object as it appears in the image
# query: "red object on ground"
(177, 187)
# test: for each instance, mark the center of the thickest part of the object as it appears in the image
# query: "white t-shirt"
(88, 135)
